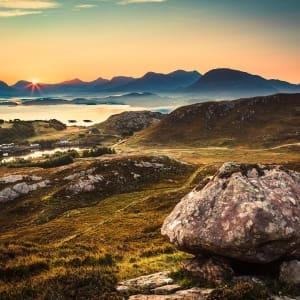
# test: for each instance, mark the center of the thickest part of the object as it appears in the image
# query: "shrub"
(94, 152)
(240, 291)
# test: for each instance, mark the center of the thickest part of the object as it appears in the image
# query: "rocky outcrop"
(127, 123)
(18, 177)
(107, 177)
(290, 272)
(22, 188)
(246, 212)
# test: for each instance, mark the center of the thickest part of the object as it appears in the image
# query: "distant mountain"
(254, 122)
(227, 82)
(6, 90)
(218, 83)
(157, 82)
(134, 99)
(284, 87)
(21, 85)
(115, 82)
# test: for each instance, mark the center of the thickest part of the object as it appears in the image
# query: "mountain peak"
(73, 81)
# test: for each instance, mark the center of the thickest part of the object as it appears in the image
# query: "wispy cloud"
(85, 5)
(125, 2)
(17, 13)
(28, 4)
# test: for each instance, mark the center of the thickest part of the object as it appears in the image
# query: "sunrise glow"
(111, 38)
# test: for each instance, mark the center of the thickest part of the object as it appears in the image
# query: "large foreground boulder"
(247, 212)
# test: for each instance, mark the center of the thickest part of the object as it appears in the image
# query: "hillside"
(127, 123)
(19, 131)
(67, 236)
(255, 122)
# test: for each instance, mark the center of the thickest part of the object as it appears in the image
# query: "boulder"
(247, 212)
(290, 272)
(214, 269)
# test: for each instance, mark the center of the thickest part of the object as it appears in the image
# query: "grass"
(85, 249)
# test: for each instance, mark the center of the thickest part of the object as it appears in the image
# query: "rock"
(22, 188)
(195, 292)
(214, 270)
(86, 185)
(17, 177)
(290, 272)
(8, 194)
(166, 289)
(247, 212)
(12, 178)
(145, 283)
(80, 174)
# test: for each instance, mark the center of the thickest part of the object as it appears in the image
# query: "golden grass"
(119, 235)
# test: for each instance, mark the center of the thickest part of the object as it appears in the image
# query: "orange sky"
(65, 42)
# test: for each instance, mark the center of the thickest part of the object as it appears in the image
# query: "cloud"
(124, 2)
(17, 13)
(85, 5)
(27, 4)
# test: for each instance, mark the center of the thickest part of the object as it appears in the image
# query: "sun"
(34, 81)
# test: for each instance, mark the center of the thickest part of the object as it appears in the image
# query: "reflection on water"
(65, 113)
(40, 153)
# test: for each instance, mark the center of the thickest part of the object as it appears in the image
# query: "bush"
(56, 160)
(94, 152)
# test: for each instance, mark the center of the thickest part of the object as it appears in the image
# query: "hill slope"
(254, 122)
(127, 123)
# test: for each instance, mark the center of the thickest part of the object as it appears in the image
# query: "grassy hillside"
(19, 131)
(60, 245)
(255, 122)
(127, 123)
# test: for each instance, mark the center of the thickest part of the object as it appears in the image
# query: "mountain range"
(215, 83)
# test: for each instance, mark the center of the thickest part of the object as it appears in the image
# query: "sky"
(56, 40)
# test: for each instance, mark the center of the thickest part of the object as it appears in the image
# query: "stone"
(22, 188)
(166, 289)
(247, 212)
(86, 185)
(213, 270)
(145, 283)
(290, 272)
